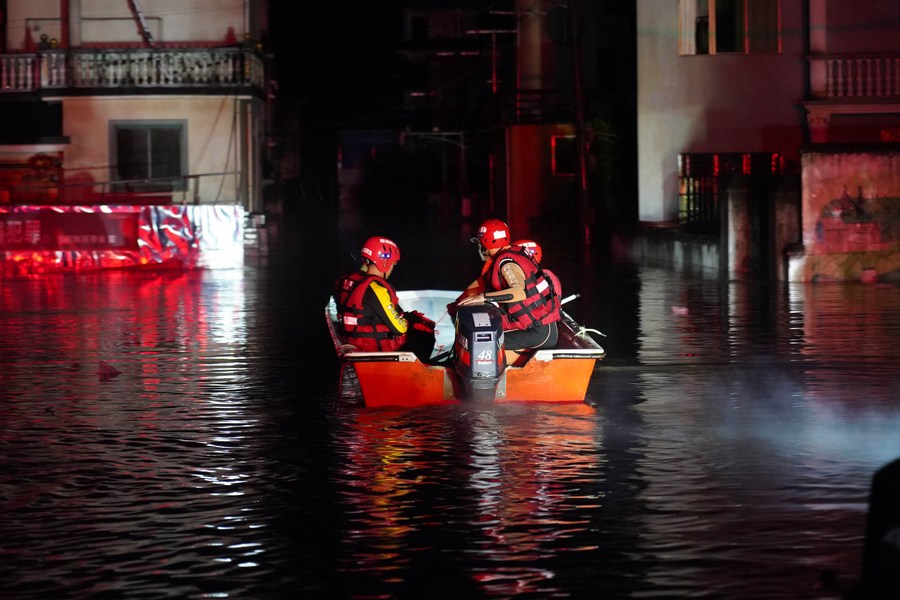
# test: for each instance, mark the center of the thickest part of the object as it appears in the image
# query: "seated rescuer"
(369, 316)
(534, 249)
(514, 281)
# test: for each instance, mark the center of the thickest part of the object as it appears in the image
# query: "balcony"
(853, 98)
(198, 70)
(874, 77)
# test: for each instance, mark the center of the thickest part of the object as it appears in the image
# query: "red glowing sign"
(49, 229)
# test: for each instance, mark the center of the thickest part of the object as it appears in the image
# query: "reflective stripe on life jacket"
(541, 303)
(363, 330)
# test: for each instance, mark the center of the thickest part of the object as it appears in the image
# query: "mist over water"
(726, 450)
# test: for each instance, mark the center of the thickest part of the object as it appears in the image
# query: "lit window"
(148, 156)
(720, 26)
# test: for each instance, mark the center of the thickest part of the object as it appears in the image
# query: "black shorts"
(542, 336)
(420, 343)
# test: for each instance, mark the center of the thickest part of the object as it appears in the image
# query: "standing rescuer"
(514, 281)
(369, 315)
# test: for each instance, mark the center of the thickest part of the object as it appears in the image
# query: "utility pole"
(584, 197)
(494, 32)
(495, 88)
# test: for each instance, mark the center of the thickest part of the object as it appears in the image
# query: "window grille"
(704, 178)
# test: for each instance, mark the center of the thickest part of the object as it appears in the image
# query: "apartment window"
(728, 26)
(149, 156)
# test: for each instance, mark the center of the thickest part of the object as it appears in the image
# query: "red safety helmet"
(382, 252)
(493, 234)
(532, 248)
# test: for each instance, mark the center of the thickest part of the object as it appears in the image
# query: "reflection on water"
(727, 451)
(507, 481)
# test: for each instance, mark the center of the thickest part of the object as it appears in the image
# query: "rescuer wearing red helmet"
(497, 228)
(514, 281)
(534, 249)
(368, 313)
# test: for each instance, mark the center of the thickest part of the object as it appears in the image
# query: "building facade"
(738, 99)
(108, 103)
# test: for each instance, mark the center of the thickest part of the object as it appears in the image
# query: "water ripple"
(727, 453)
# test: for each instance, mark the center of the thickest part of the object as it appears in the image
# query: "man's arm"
(378, 298)
(514, 276)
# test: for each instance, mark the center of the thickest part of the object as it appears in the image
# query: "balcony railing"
(862, 77)
(207, 68)
(181, 189)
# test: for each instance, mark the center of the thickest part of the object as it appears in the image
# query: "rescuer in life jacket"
(368, 313)
(515, 282)
(534, 249)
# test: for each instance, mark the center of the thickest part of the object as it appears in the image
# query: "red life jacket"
(541, 303)
(557, 286)
(363, 330)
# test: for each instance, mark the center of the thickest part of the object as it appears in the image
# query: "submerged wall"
(850, 217)
(669, 248)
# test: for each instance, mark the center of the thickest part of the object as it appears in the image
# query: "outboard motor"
(478, 355)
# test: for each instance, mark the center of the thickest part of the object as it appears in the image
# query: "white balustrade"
(231, 67)
(17, 72)
(858, 77)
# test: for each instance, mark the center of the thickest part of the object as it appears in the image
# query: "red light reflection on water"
(520, 457)
(139, 323)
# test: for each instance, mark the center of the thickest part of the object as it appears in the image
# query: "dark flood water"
(728, 453)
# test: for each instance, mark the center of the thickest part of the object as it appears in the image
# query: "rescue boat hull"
(401, 379)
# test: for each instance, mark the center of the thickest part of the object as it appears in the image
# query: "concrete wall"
(535, 194)
(111, 21)
(213, 144)
(176, 20)
(759, 228)
(858, 27)
(669, 248)
(851, 217)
